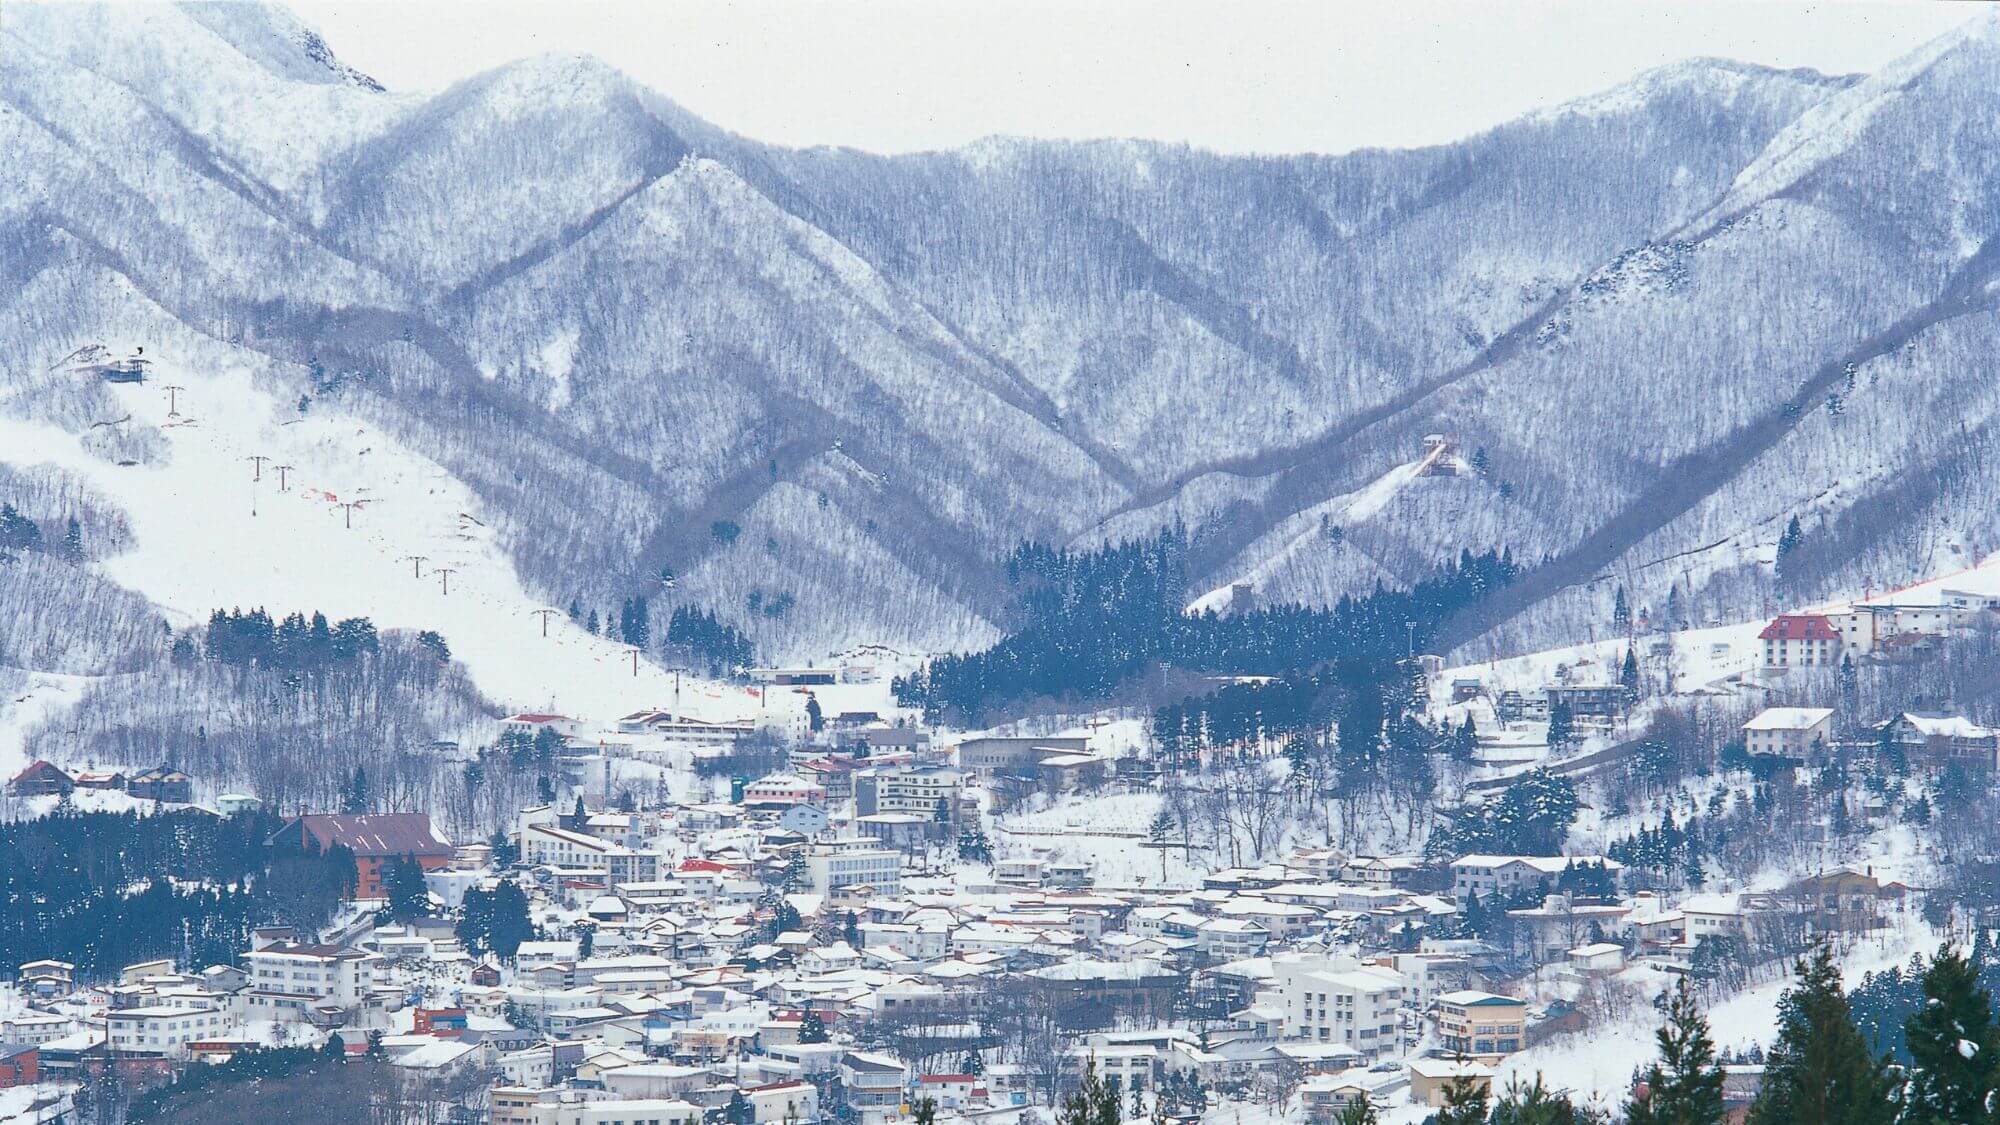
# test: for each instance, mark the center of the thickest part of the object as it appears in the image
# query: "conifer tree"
(1299, 756)
(1819, 1071)
(1093, 1102)
(1788, 543)
(1360, 1111)
(1464, 1103)
(505, 853)
(1684, 1086)
(357, 792)
(1472, 915)
(1536, 1104)
(403, 885)
(1465, 742)
(1562, 726)
(1954, 1047)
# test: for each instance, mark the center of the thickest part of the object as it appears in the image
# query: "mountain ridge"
(1016, 339)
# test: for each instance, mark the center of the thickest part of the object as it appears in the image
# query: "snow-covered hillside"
(340, 517)
(845, 386)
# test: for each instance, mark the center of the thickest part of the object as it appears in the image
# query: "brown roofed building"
(161, 783)
(376, 839)
(41, 779)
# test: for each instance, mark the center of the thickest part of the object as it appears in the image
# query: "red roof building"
(1800, 640)
(41, 779)
(376, 839)
(1799, 627)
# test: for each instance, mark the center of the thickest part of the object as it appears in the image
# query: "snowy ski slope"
(215, 530)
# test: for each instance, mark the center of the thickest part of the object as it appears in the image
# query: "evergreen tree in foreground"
(1464, 1103)
(1536, 1104)
(402, 880)
(1954, 1047)
(1820, 1072)
(1360, 1111)
(1684, 1087)
(1093, 1102)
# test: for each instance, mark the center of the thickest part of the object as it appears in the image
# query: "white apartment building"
(1488, 875)
(288, 981)
(1794, 640)
(1713, 915)
(545, 845)
(1787, 732)
(1339, 1000)
(160, 1030)
(1283, 920)
(913, 790)
(1231, 938)
(33, 1029)
(854, 863)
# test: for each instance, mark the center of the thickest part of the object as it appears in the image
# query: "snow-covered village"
(1368, 565)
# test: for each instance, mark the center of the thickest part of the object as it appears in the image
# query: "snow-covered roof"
(1789, 718)
(1473, 998)
(1946, 726)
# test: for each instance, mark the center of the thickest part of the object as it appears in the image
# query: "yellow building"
(1481, 1025)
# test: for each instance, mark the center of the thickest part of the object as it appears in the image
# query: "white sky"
(1233, 75)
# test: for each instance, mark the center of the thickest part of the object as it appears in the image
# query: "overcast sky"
(1233, 75)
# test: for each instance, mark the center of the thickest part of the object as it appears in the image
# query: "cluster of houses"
(1880, 630)
(160, 783)
(1873, 631)
(695, 968)
(803, 950)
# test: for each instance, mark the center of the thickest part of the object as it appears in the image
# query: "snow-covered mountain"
(828, 390)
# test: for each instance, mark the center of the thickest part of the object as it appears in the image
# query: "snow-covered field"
(1300, 530)
(1600, 1062)
(27, 699)
(1701, 658)
(213, 530)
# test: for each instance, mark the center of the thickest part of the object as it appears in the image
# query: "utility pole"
(417, 564)
(257, 462)
(444, 574)
(544, 614)
(634, 654)
(349, 505)
(282, 470)
(173, 402)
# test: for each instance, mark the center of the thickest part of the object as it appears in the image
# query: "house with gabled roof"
(376, 839)
(41, 779)
(1794, 640)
